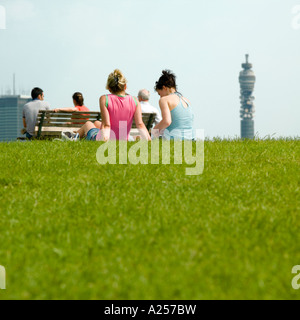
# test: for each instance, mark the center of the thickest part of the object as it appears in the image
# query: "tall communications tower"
(247, 81)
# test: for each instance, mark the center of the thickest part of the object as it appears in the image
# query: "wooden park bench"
(50, 124)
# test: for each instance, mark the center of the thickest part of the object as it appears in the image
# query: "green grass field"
(73, 229)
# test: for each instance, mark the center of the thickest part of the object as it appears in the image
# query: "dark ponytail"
(78, 98)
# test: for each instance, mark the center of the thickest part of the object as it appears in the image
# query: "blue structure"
(247, 81)
(11, 116)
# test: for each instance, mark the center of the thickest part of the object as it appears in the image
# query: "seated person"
(177, 113)
(31, 110)
(78, 102)
(116, 108)
(144, 97)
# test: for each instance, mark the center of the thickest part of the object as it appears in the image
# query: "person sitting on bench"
(116, 108)
(31, 110)
(78, 102)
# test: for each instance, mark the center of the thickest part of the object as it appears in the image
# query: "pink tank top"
(121, 111)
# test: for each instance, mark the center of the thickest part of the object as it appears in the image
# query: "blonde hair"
(116, 82)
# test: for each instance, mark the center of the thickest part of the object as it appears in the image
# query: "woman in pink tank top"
(117, 111)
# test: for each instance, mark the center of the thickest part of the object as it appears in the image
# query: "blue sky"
(72, 45)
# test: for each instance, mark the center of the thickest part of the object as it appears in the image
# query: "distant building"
(247, 81)
(11, 116)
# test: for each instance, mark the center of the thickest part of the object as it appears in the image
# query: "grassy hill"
(73, 229)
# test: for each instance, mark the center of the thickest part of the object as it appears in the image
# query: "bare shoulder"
(103, 100)
(137, 103)
(164, 100)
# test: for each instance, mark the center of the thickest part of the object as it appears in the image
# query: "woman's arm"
(166, 115)
(66, 110)
(105, 119)
(140, 124)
